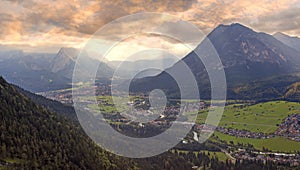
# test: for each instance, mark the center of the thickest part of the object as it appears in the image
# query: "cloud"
(207, 14)
(288, 21)
(87, 16)
(69, 22)
(10, 27)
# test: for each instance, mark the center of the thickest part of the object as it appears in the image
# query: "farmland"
(262, 117)
(277, 144)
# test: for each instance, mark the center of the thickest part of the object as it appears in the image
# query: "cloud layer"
(51, 24)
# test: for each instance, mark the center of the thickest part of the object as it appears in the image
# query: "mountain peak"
(233, 25)
(234, 28)
(64, 58)
(68, 52)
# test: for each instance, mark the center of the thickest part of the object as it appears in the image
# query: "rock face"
(64, 58)
(237, 44)
(64, 62)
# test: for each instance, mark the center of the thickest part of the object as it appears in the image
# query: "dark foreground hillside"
(33, 137)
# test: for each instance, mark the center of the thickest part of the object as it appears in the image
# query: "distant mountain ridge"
(47, 72)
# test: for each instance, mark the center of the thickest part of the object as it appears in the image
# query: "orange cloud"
(69, 22)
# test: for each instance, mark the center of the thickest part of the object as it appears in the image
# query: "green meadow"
(277, 144)
(262, 117)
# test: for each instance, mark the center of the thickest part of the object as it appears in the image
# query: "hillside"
(51, 105)
(33, 137)
(283, 87)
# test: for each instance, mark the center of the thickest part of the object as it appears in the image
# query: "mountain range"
(247, 56)
(40, 72)
(45, 72)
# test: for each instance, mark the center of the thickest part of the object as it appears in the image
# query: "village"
(290, 128)
(278, 158)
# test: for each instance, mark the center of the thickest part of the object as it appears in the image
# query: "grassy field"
(277, 144)
(220, 155)
(262, 117)
(106, 105)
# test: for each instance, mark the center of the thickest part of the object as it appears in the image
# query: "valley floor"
(268, 131)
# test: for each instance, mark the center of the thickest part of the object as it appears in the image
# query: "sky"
(48, 25)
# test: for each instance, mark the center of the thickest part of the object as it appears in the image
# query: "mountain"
(64, 58)
(34, 138)
(64, 62)
(30, 72)
(246, 56)
(293, 42)
(46, 72)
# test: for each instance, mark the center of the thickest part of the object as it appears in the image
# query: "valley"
(190, 153)
(257, 129)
